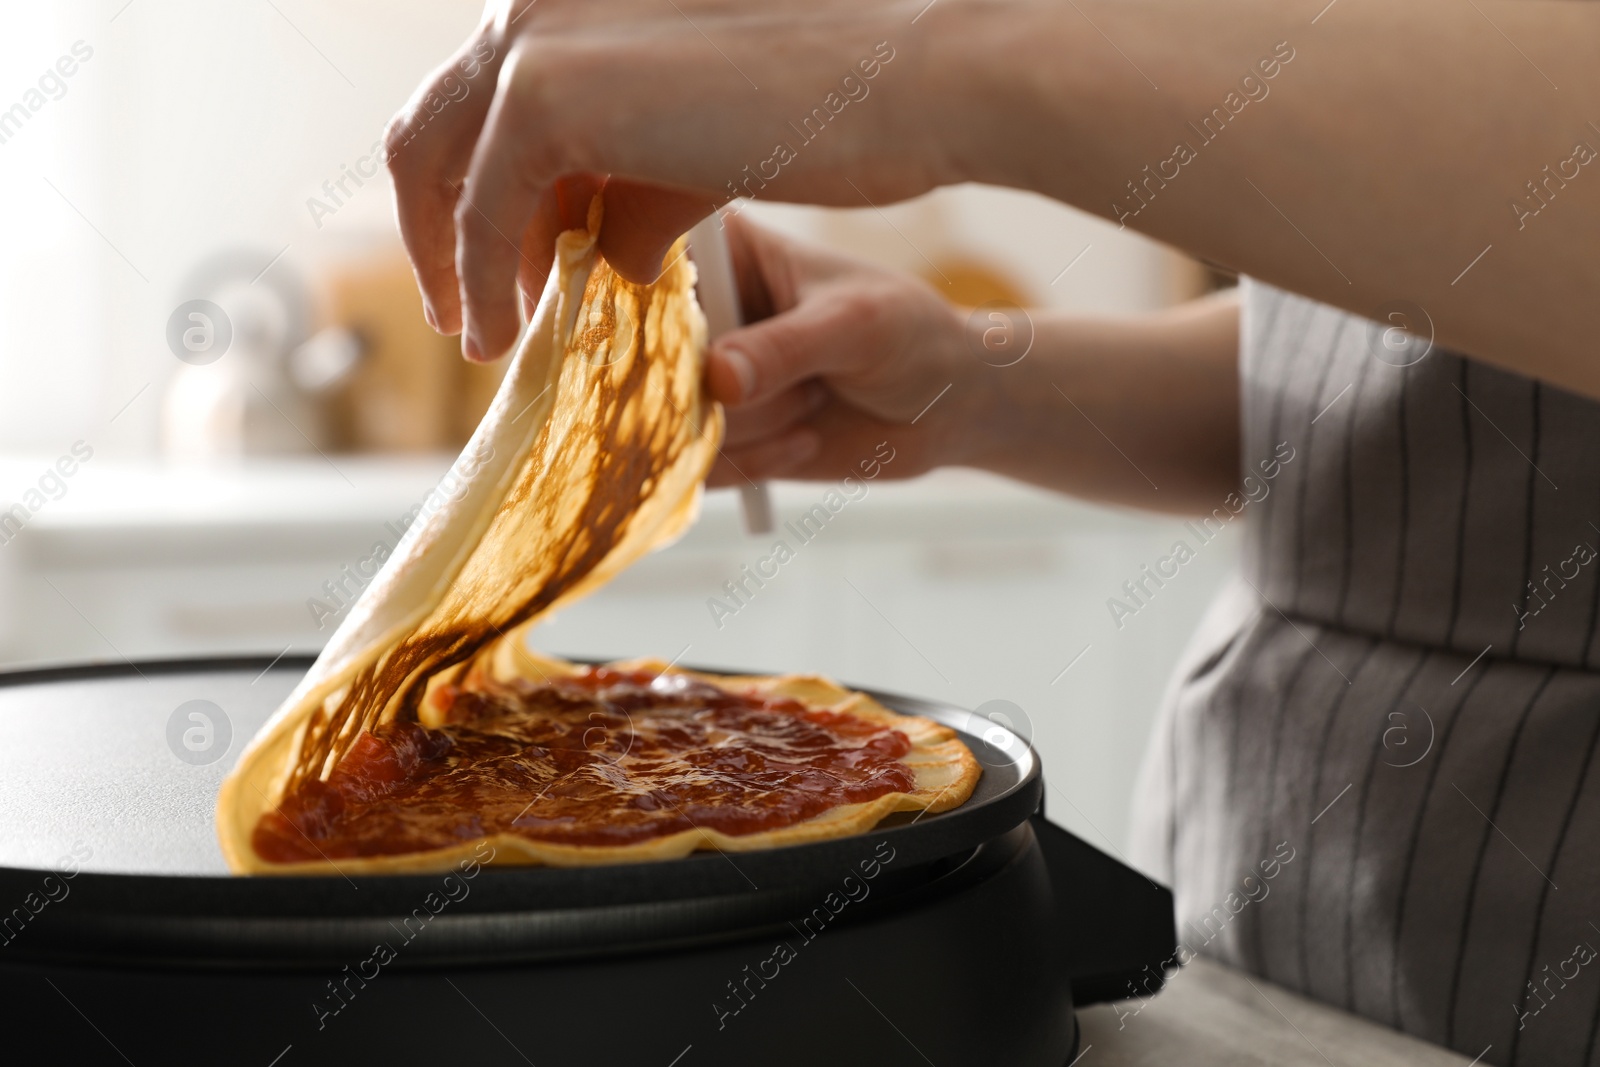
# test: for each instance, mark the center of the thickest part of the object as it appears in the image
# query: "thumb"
(831, 332)
(641, 222)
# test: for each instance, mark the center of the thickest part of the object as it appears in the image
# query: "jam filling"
(604, 757)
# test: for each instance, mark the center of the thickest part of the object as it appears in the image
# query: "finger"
(775, 416)
(515, 163)
(534, 269)
(564, 205)
(428, 145)
(848, 443)
(770, 459)
(498, 204)
(832, 332)
(541, 125)
(641, 222)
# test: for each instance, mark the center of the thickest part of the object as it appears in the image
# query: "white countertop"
(117, 512)
(111, 492)
(1213, 1016)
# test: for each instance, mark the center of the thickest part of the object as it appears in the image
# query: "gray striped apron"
(1400, 694)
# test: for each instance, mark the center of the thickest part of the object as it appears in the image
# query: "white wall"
(195, 126)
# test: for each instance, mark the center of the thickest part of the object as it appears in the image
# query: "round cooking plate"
(95, 773)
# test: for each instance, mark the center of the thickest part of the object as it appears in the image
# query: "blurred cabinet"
(410, 391)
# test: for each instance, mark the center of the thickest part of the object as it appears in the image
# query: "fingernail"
(470, 349)
(432, 319)
(743, 370)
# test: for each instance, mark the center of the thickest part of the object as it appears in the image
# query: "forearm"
(1378, 164)
(1141, 412)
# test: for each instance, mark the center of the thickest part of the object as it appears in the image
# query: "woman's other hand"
(838, 357)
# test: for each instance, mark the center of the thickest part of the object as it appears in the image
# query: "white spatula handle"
(718, 291)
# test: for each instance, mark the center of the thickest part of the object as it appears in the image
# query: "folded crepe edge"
(434, 552)
(501, 442)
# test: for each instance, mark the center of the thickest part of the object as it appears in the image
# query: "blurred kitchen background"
(156, 153)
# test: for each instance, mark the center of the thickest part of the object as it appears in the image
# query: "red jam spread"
(604, 757)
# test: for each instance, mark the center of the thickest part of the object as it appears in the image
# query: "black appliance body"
(961, 938)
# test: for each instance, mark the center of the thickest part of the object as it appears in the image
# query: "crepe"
(591, 455)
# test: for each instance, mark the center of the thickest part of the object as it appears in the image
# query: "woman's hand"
(1117, 108)
(839, 356)
(703, 100)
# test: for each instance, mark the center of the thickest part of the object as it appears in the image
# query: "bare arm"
(843, 357)
(1383, 163)
(1398, 145)
(1137, 411)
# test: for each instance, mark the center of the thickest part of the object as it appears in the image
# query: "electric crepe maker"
(966, 937)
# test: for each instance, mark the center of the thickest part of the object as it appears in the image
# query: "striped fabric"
(1401, 692)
